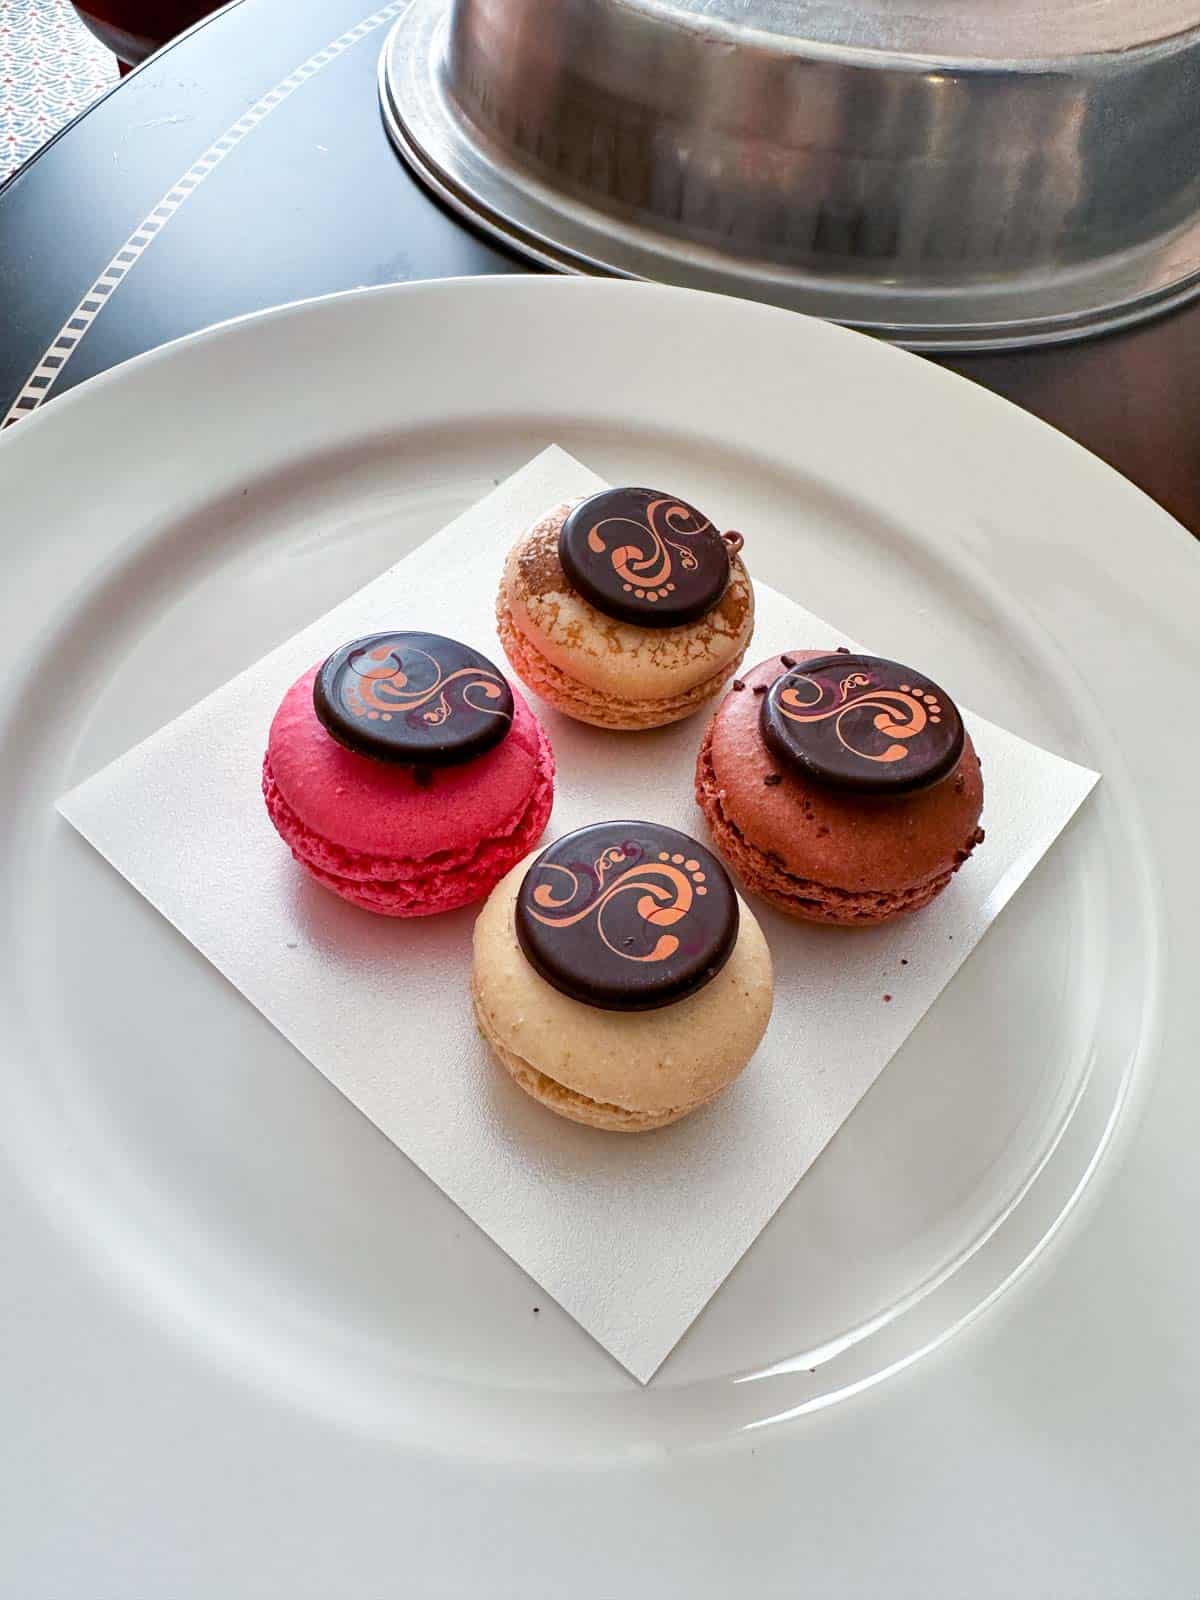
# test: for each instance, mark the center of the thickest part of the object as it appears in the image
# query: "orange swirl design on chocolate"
(647, 570)
(668, 889)
(901, 714)
(381, 689)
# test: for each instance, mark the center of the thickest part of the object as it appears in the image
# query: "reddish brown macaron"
(803, 829)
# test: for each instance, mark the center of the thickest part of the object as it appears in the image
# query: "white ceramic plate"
(259, 1277)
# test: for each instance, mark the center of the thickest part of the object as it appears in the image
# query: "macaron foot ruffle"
(803, 897)
(567, 1102)
(417, 888)
(593, 706)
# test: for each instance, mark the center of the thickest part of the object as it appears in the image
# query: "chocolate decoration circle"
(413, 698)
(862, 723)
(627, 916)
(644, 557)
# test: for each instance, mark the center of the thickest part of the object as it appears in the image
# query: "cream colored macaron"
(600, 642)
(658, 902)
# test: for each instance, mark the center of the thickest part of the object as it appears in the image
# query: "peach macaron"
(627, 609)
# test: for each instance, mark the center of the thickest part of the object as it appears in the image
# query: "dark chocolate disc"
(413, 697)
(862, 723)
(627, 916)
(645, 557)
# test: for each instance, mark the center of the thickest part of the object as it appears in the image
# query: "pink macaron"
(406, 774)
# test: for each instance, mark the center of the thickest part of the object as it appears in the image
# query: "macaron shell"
(374, 835)
(617, 659)
(565, 1102)
(393, 887)
(595, 706)
(372, 808)
(824, 853)
(796, 896)
(655, 1064)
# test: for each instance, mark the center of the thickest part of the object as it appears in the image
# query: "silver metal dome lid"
(948, 177)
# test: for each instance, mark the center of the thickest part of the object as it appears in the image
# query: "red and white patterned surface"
(50, 69)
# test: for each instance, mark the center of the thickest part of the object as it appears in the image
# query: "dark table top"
(246, 164)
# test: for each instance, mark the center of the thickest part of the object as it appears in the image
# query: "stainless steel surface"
(944, 177)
